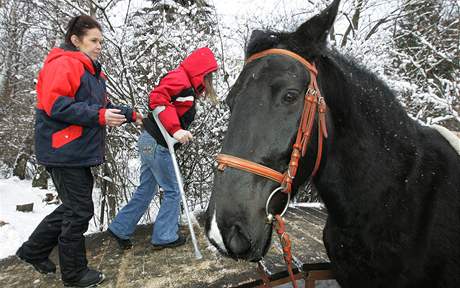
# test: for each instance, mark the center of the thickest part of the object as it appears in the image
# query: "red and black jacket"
(70, 114)
(177, 91)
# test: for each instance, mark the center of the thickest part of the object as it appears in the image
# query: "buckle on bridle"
(312, 91)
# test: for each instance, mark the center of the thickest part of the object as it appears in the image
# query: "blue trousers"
(156, 170)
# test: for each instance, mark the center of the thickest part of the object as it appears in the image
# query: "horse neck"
(366, 124)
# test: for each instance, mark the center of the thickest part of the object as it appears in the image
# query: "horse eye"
(290, 96)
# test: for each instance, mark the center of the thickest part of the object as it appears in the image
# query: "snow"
(118, 12)
(21, 224)
(309, 205)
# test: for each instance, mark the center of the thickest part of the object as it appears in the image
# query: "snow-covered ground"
(19, 225)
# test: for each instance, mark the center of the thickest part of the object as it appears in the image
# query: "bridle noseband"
(313, 102)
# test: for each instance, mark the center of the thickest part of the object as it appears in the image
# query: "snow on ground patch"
(21, 224)
(311, 205)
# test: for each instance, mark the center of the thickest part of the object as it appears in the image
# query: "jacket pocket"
(66, 135)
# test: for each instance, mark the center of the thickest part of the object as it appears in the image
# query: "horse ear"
(316, 29)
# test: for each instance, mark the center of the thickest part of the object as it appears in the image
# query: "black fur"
(391, 185)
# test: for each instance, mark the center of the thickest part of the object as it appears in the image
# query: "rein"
(313, 103)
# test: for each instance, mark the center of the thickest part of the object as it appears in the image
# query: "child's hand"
(183, 136)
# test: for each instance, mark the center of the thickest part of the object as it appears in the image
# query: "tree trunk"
(354, 22)
(107, 193)
(41, 178)
(20, 166)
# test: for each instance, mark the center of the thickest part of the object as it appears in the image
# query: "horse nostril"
(238, 243)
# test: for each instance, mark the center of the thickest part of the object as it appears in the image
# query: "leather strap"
(280, 228)
(225, 160)
(277, 51)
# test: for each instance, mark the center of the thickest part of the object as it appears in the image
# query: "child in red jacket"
(177, 92)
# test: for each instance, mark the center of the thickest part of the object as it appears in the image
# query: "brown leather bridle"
(313, 102)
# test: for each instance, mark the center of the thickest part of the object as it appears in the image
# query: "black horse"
(391, 186)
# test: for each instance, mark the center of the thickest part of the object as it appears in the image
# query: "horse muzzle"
(238, 242)
(233, 241)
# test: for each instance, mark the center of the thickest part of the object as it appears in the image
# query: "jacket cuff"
(102, 116)
(174, 130)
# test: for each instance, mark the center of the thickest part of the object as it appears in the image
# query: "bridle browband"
(313, 102)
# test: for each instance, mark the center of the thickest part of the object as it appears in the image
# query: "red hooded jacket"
(179, 88)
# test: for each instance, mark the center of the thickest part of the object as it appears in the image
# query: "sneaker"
(124, 244)
(90, 279)
(179, 242)
(45, 267)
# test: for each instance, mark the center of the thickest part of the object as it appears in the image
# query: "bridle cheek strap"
(313, 103)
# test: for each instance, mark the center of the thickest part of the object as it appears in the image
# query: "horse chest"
(362, 260)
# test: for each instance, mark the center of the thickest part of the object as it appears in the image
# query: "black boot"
(90, 279)
(179, 242)
(124, 244)
(45, 266)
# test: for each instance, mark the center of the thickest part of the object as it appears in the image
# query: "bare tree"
(427, 54)
(354, 22)
(16, 85)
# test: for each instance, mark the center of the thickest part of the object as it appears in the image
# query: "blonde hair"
(210, 92)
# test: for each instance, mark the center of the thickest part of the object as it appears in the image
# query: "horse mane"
(358, 96)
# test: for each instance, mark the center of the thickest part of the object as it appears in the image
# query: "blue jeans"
(156, 169)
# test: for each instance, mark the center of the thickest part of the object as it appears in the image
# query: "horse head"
(267, 105)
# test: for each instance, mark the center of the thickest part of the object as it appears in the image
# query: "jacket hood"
(57, 53)
(198, 64)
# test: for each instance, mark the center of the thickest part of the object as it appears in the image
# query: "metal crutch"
(170, 141)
